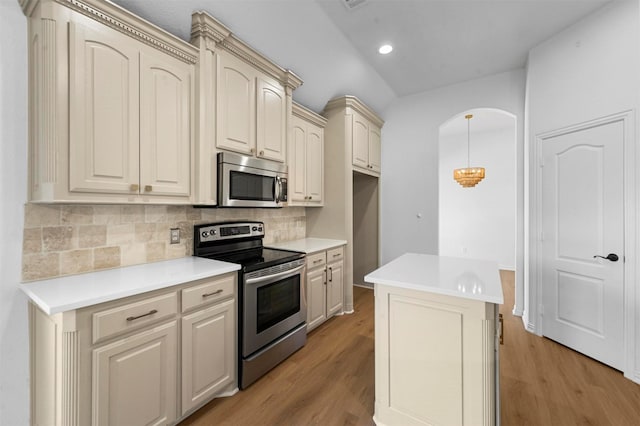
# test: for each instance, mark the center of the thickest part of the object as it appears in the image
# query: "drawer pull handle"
(151, 312)
(213, 293)
(337, 255)
(501, 320)
(317, 261)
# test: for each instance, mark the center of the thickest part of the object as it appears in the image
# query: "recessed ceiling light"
(385, 48)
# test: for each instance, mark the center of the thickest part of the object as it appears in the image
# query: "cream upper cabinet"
(252, 111)
(236, 106)
(306, 158)
(111, 107)
(104, 110)
(374, 148)
(165, 125)
(271, 122)
(360, 141)
(365, 144)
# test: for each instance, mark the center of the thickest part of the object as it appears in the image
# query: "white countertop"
(78, 291)
(309, 245)
(452, 276)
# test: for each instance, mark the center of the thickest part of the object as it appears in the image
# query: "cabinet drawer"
(133, 315)
(316, 260)
(335, 254)
(208, 291)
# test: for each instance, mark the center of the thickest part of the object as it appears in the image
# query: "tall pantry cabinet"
(352, 170)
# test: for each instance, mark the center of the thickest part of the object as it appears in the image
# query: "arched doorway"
(479, 222)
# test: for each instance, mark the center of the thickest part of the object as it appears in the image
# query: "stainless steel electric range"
(272, 308)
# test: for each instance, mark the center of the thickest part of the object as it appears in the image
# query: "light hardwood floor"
(330, 381)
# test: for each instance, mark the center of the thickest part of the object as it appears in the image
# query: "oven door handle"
(274, 277)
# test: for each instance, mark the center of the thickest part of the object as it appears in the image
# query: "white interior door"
(583, 217)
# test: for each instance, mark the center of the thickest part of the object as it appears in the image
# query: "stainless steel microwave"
(250, 182)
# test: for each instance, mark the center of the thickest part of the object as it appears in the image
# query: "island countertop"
(452, 276)
(78, 291)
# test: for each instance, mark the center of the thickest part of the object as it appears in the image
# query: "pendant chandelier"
(469, 176)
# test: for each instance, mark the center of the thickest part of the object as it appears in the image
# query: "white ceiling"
(334, 50)
(438, 43)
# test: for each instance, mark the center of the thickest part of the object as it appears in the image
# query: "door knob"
(611, 256)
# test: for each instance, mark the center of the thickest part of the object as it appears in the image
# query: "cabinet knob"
(148, 188)
(261, 154)
(252, 150)
(134, 187)
(310, 197)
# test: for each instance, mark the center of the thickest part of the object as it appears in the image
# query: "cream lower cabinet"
(134, 379)
(325, 292)
(306, 158)
(128, 361)
(435, 359)
(208, 353)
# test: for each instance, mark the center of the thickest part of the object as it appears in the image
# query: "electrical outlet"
(175, 235)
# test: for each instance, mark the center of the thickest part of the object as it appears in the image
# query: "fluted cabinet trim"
(70, 379)
(47, 134)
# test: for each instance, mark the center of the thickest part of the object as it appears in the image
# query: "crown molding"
(27, 6)
(206, 26)
(349, 101)
(307, 114)
(133, 26)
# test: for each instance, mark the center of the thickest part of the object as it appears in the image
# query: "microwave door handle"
(277, 188)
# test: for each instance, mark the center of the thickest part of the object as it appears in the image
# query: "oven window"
(247, 186)
(278, 301)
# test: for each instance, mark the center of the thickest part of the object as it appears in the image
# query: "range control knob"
(204, 234)
(255, 228)
(260, 229)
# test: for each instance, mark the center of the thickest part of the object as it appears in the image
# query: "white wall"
(14, 385)
(409, 182)
(479, 222)
(588, 71)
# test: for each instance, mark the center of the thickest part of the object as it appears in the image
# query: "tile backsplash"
(71, 239)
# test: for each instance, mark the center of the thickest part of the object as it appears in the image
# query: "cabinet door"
(165, 124)
(374, 149)
(103, 110)
(297, 184)
(134, 379)
(360, 141)
(334, 287)
(316, 298)
(315, 164)
(271, 125)
(236, 106)
(208, 353)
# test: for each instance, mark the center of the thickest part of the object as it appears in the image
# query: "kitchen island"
(436, 332)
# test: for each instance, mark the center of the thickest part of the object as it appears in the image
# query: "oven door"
(273, 305)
